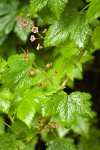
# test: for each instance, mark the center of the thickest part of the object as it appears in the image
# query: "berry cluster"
(45, 124)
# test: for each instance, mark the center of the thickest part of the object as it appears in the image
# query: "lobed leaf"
(16, 76)
(3, 65)
(82, 103)
(20, 145)
(67, 67)
(71, 23)
(57, 6)
(8, 17)
(22, 33)
(96, 37)
(90, 143)
(67, 107)
(64, 144)
(22, 130)
(48, 19)
(32, 144)
(2, 39)
(4, 8)
(7, 141)
(81, 126)
(26, 111)
(5, 99)
(37, 5)
(2, 125)
(93, 10)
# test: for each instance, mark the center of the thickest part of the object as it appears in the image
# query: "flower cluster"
(34, 29)
(46, 125)
(23, 24)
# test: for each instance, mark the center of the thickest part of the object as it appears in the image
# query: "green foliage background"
(33, 101)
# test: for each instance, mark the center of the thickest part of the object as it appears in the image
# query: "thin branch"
(65, 46)
(40, 35)
(65, 81)
(42, 72)
(8, 126)
(54, 135)
(81, 54)
(85, 7)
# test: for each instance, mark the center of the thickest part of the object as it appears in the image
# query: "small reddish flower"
(18, 18)
(32, 38)
(35, 29)
(25, 22)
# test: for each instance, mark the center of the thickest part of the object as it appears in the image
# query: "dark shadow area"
(40, 145)
(91, 84)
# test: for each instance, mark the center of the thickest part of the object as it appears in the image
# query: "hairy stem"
(42, 73)
(8, 126)
(85, 7)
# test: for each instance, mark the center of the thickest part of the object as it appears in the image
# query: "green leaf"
(53, 107)
(2, 125)
(4, 8)
(22, 33)
(3, 65)
(64, 144)
(29, 102)
(87, 57)
(32, 144)
(67, 107)
(2, 39)
(71, 64)
(90, 143)
(67, 67)
(17, 76)
(96, 37)
(93, 10)
(8, 17)
(67, 49)
(37, 5)
(20, 145)
(57, 6)
(48, 19)
(81, 126)
(26, 111)
(74, 26)
(69, 52)
(8, 142)
(22, 130)
(82, 103)
(5, 99)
